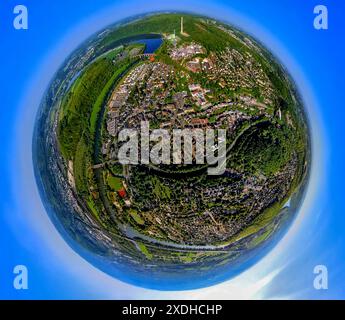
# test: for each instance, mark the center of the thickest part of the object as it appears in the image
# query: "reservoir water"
(151, 44)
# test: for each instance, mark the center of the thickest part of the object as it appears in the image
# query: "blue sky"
(315, 60)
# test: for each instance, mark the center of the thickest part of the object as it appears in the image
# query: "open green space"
(114, 182)
(144, 250)
(136, 216)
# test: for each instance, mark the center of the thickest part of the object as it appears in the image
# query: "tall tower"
(181, 25)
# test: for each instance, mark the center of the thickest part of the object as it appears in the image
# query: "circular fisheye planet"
(171, 151)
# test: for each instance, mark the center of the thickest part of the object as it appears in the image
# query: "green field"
(114, 182)
(101, 98)
(144, 250)
(78, 106)
(137, 218)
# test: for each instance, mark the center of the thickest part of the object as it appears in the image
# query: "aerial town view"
(172, 220)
